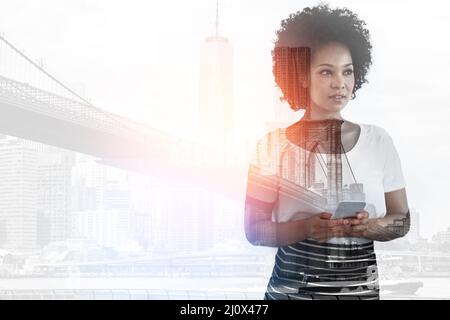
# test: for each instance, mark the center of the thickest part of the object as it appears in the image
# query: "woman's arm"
(394, 225)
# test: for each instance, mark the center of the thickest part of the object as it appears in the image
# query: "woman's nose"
(338, 82)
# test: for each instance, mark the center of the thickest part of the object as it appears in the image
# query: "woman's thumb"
(325, 215)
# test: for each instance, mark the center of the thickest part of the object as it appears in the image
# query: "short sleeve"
(263, 177)
(393, 178)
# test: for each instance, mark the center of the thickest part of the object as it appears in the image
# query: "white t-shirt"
(372, 167)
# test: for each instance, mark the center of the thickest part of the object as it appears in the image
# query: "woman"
(300, 176)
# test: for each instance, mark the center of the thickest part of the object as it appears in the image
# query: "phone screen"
(348, 209)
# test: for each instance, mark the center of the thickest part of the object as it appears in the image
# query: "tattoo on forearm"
(398, 228)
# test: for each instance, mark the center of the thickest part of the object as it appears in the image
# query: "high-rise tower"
(216, 88)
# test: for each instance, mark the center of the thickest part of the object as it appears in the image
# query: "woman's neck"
(317, 115)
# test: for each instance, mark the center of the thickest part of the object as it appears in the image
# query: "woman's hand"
(321, 227)
(357, 227)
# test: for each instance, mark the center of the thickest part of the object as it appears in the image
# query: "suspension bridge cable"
(42, 70)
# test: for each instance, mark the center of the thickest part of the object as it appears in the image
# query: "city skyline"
(97, 191)
(251, 58)
(71, 221)
(124, 225)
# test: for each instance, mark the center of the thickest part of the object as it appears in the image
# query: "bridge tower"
(318, 139)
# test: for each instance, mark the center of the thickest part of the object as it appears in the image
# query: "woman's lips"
(337, 97)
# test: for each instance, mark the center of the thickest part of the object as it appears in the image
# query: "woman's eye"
(348, 72)
(325, 72)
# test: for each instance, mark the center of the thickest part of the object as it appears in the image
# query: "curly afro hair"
(312, 28)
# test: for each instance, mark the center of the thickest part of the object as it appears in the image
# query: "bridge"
(34, 105)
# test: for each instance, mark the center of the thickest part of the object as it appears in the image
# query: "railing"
(127, 294)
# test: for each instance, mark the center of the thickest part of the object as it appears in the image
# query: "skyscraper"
(216, 89)
(18, 195)
(414, 232)
(215, 127)
(87, 196)
(54, 192)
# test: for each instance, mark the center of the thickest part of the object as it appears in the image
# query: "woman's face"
(332, 80)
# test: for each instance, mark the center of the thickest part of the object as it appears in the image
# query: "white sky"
(140, 58)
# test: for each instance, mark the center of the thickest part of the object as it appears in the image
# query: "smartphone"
(348, 209)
